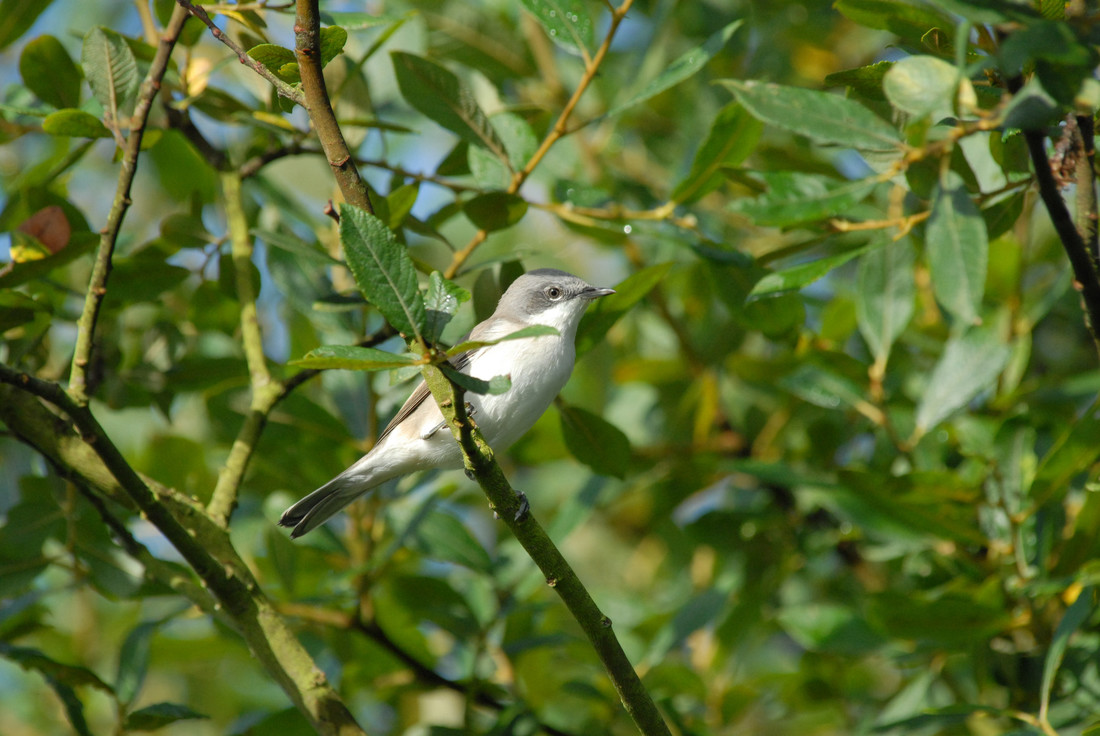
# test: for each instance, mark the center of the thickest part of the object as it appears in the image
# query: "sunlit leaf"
(520, 334)
(732, 137)
(567, 22)
(970, 364)
(74, 124)
(957, 248)
(884, 299)
(354, 358)
(804, 274)
(441, 303)
(609, 309)
(112, 71)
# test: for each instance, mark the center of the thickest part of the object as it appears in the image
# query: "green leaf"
(441, 303)
(732, 137)
(442, 536)
(520, 142)
(383, 269)
(495, 385)
(791, 198)
(922, 85)
(278, 60)
(49, 72)
(71, 123)
(495, 210)
(158, 715)
(16, 18)
(133, 660)
(957, 249)
(530, 331)
(1075, 615)
(864, 80)
(822, 387)
(1073, 452)
(823, 118)
(952, 619)
(400, 202)
(804, 274)
(355, 21)
(679, 70)
(437, 93)
(970, 363)
(81, 243)
(332, 43)
(609, 309)
(884, 300)
(594, 441)
(354, 358)
(71, 675)
(911, 21)
(567, 22)
(17, 309)
(112, 71)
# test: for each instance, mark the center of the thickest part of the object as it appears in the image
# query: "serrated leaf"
(884, 300)
(159, 715)
(382, 269)
(804, 274)
(526, 332)
(567, 22)
(354, 358)
(71, 123)
(442, 302)
(957, 248)
(495, 385)
(437, 93)
(685, 66)
(609, 309)
(970, 364)
(594, 441)
(112, 71)
(823, 118)
(495, 210)
(442, 536)
(50, 73)
(133, 660)
(732, 137)
(791, 198)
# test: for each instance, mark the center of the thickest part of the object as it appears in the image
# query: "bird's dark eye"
(554, 293)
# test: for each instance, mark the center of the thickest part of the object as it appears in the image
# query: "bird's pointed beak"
(595, 292)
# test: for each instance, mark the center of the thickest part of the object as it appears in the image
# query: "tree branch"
(560, 128)
(284, 89)
(101, 268)
(307, 48)
(1084, 267)
(204, 545)
(1085, 176)
(509, 507)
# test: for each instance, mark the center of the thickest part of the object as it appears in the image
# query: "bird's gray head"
(547, 296)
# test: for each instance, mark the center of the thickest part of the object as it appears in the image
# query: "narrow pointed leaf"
(804, 274)
(532, 331)
(495, 385)
(133, 660)
(884, 301)
(567, 22)
(823, 118)
(732, 137)
(111, 69)
(159, 715)
(354, 358)
(437, 93)
(1074, 617)
(679, 70)
(791, 198)
(383, 270)
(969, 364)
(609, 309)
(958, 249)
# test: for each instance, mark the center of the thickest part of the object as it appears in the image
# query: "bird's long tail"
(319, 506)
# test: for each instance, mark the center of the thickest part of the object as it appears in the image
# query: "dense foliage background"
(828, 460)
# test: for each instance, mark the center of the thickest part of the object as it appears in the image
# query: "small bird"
(417, 438)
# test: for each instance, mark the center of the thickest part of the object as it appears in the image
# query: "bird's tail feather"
(319, 506)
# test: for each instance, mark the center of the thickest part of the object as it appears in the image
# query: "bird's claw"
(524, 509)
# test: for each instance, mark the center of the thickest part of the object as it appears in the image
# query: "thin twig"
(307, 49)
(101, 268)
(284, 89)
(508, 505)
(1085, 175)
(559, 129)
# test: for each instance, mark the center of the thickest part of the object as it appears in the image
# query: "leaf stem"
(101, 268)
(479, 461)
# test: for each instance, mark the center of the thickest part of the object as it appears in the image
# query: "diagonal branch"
(307, 43)
(560, 128)
(1084, 267)
(101, 268)
(509, 507)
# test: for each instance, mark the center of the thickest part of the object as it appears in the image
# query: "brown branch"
(559, 129)
(307, 49)
(1085, 176)
(284, 89)
(510, 508)
(101, 268)
(1084, 267)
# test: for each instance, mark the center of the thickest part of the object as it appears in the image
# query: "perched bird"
(417, 439)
